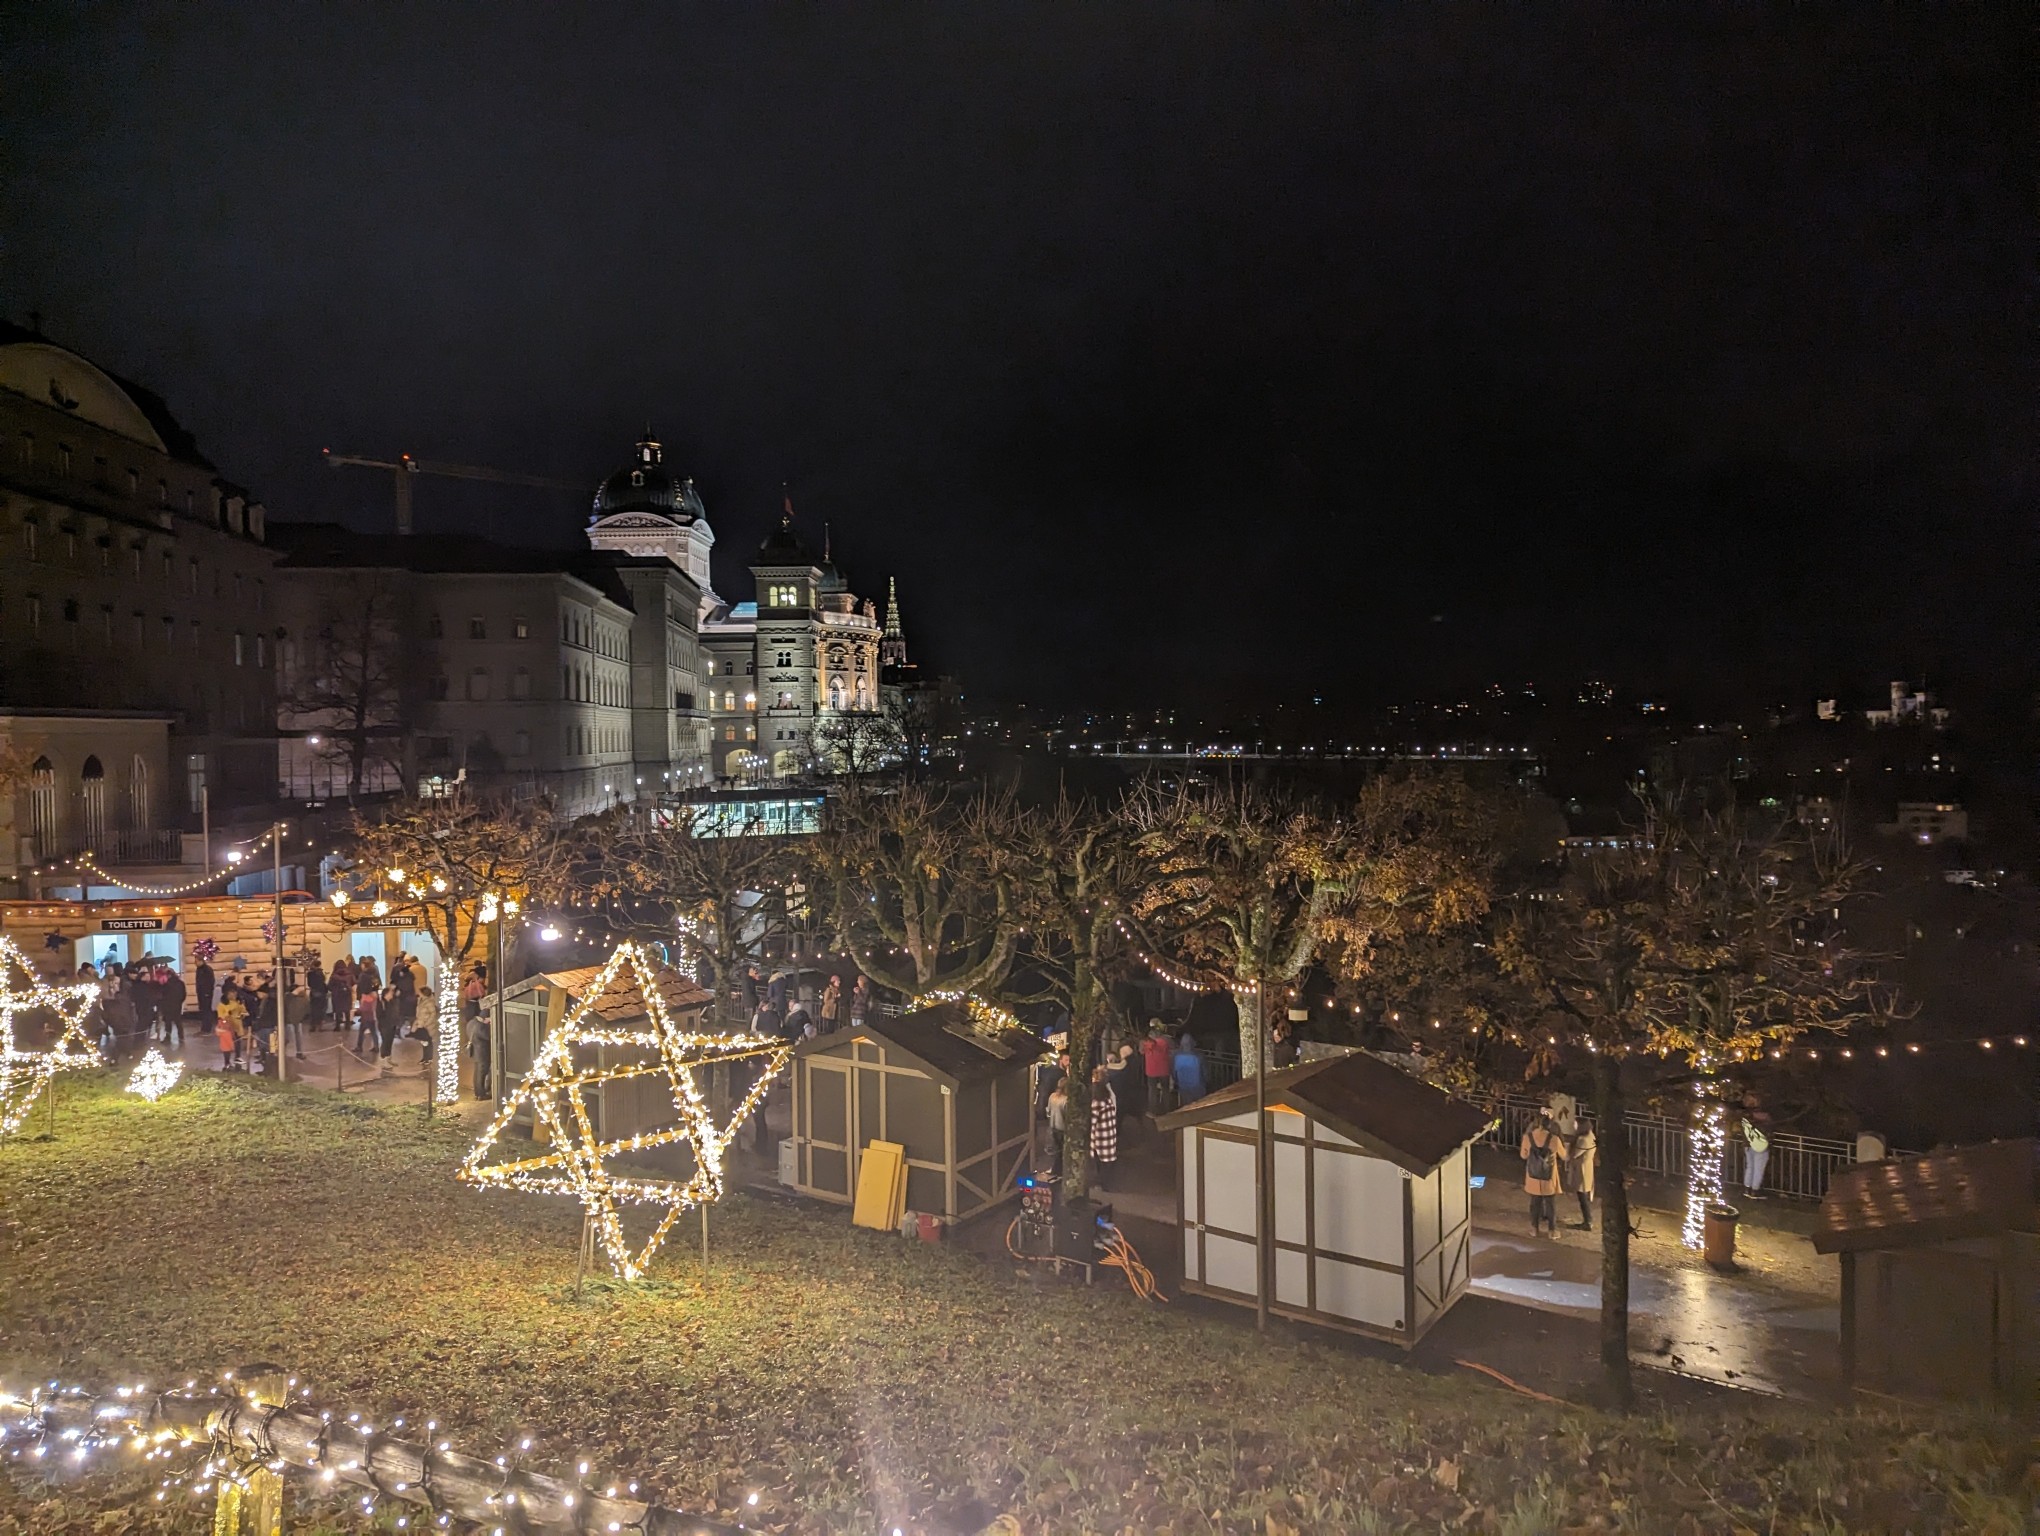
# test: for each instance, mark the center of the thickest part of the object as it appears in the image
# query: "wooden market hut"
(1940, 1272)
(1372, 1210)
(535, 1006)
(952, 1091)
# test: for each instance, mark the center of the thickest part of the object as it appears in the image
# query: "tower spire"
(894, 630)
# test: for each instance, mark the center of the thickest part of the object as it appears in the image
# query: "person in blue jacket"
(1188, 1070)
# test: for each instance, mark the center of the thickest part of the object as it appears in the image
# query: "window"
(237, 584)
(521, 744)
(261, 595)
(28, 532)
(750, 701)
(729, 698)
(92, 800)
(141, 628)
(240, 647)
(170, 569)
(34, 616)
(169, 632)
(194, 780)
(729, 733)
(70, 610)
(435, 627)
(194, 634)
(784, 659)
(134, 482)
(140, 813)
(478, 683)
(64, 458)
(786, 596)
(520, 628)
(520, 684)
(162, 493)
(750, 733)
(106, 557)
(440, 687)
(194, 578)
(261, 651)
(42, 807)
(106, 622)
(747, 666)
(785, 699)
(477, 630)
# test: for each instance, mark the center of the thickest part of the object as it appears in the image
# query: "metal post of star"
(585, 1051)
(24, 1074)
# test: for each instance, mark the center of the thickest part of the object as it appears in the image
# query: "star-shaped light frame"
(24, 1074)
(576, 1164)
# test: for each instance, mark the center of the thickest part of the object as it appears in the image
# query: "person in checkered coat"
(1104, 1127)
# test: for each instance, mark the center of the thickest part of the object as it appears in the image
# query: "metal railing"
(1800, 1166)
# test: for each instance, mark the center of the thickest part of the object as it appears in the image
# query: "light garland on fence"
(155, 1075)
(86, 862)
(25, 1074)
(556, 1088)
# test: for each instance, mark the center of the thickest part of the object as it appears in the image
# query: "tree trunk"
(1250, 1036)
(1076, 1182)
(1612, 1185)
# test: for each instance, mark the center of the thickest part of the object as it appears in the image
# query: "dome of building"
(644, 485)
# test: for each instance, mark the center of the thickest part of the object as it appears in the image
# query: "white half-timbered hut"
(1372, 1217)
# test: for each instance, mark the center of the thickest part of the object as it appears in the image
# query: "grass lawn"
(853, 1381)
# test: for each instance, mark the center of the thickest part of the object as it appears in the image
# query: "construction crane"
(404, 467)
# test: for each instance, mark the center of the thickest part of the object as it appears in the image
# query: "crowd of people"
(1152, 1074)
(1558, 1151)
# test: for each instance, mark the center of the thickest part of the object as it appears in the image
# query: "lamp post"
(1262, 1202)
(276, 988)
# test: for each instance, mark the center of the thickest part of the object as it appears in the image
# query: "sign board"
(388, 920)
(136, 924)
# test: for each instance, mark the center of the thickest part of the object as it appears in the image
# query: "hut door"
(828, 1136)
(1941, 1320)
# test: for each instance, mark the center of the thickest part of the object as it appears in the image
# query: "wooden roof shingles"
(1940, 1197)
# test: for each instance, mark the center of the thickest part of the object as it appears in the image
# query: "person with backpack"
(1541, 1151)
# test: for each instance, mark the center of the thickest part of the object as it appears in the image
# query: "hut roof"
(624, 1000)
(1387, 1111)
(943, 1042)
(1912, 1201)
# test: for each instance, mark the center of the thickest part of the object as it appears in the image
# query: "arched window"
(140, 813)
(42, 807)
(92, 795)
(835, 693)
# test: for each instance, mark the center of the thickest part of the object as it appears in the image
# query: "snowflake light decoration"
(586, 1051)
(155, 1075)
(24, 1074)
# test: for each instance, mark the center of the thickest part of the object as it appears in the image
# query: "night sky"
(1181, 355)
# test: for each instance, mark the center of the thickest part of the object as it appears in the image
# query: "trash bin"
(1717, 1236)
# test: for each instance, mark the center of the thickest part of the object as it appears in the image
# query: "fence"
(1800, 1166)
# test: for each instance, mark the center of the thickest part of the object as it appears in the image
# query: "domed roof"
(645, 485)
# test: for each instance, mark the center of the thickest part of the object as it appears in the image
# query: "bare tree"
(922, 885)
(1680, 959)
(353, 681)
(723, 895)
(1081, 873)
(456, 865)
(858, 744)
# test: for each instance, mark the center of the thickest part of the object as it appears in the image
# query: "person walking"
(1154, 1061)
(297, 1007)
(1576, 1173)
(317, 989)
(1757, 1149)
(171, 993)
(478, 1047)
(1187, 1067)
(1058, 1108)
(366, 1009)
(405, 980)
(367, 975)
(142, 989)
(1104, 1128)
(340, 993)
(205, 988)
(1541, 1151)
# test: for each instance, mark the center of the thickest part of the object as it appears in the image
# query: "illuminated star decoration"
(155, 1075)
(23, 1074)
(587, 1051)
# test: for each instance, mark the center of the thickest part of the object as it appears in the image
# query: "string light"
(1174, 979)
(556, 1091)
(1703, 1178)
(87, 863)
(154, 1075)
(24, 1074)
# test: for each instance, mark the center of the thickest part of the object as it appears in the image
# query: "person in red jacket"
(1154, 1059)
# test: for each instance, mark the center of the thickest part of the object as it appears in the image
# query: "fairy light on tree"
(452, 866)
